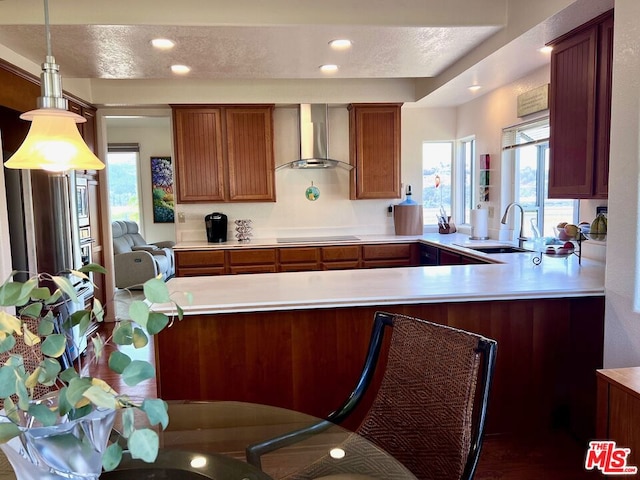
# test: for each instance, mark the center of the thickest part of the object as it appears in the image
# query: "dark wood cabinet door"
(580, 110)
(374, 133)
(450, 258)
(89, 130)
(199, 161)
(249, 135)
(390, 255)
(603, 106)
(572, 116)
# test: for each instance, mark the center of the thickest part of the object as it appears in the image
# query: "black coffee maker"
(216, 224)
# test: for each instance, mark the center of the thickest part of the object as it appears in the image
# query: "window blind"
(123, 147)
(525, 134)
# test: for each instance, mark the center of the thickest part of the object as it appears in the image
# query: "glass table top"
(213, 437)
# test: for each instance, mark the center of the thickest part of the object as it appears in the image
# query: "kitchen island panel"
(309, 359)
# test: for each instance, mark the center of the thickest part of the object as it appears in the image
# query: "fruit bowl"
(563, 250)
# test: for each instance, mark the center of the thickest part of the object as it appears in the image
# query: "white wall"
(622, 317)
(292, 214)
(154, 142)
(485, 118)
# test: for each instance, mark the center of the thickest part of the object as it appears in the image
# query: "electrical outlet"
(490, 214)
(181, 217)
(390, 211)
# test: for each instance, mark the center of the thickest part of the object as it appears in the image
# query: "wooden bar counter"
(298, 339)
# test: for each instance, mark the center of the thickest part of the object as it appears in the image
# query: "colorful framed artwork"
(162, 190)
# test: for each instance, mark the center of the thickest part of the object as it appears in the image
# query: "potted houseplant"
(75, 419)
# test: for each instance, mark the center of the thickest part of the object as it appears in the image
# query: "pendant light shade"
(54, 143)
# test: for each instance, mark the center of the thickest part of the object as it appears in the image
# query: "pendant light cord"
(46, 27)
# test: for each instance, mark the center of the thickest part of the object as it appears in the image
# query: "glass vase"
(70, 449)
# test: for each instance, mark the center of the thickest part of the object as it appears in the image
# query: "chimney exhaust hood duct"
(314, 139)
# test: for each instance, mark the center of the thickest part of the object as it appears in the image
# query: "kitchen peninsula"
(298, 339)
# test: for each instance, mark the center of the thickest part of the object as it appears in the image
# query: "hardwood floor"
(556, 457)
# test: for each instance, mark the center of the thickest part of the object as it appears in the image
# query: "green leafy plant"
(34, 326)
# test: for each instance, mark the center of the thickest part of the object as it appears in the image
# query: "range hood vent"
(314, 139)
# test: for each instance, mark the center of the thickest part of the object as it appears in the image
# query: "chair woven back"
(32, 356)
(422, 414)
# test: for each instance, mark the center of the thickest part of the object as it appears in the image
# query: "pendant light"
(54, 142)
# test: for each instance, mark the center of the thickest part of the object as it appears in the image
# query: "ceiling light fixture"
(329, 68)
(53, 142)
(180, 69)
(340, 44)
(475, 88)
(163, 43)
(546, 49)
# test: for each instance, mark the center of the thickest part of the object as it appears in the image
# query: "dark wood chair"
(429, 412)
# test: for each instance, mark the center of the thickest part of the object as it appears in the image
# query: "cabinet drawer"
(384, 252)
(299, 267)
(298, 255)
(348, 252)
(347, 265)
(201, 258)
(199, 271)
(252, 257)
(240, 269)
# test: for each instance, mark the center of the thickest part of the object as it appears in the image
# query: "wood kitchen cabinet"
(87, 129)
(447, 257)
(374, 150)
(343, 257)
(224, 153)
(618, 408)
(255, 260)
(93, 185)
(297, 259)
(580, 110)
(390, 255)
(190, 263)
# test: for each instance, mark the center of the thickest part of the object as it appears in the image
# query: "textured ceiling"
(444, 45)
(124, 51)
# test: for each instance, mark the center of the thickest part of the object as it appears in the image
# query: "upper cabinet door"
(572, 116)
(199, 161)
(580, 111)
(603, 105)
(374, 132)
(250, 157)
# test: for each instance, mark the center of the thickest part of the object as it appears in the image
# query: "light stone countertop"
(516, 277)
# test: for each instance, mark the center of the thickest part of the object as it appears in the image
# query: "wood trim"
(308, 360)
(584, 26)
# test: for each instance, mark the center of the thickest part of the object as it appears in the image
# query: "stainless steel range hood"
(314, 139)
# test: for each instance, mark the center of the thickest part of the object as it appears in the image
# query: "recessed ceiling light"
(546, 49)
(180, 69)
(340, 44)
(163, 43)
(330, 68)
(475, 88)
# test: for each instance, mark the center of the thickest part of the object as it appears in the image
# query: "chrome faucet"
(521, 237)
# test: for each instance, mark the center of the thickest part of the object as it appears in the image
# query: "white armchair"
(135, 260)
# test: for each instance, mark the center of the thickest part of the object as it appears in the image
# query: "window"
(467, 154)
(527, 146)
(122, 168)
(437, 159)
